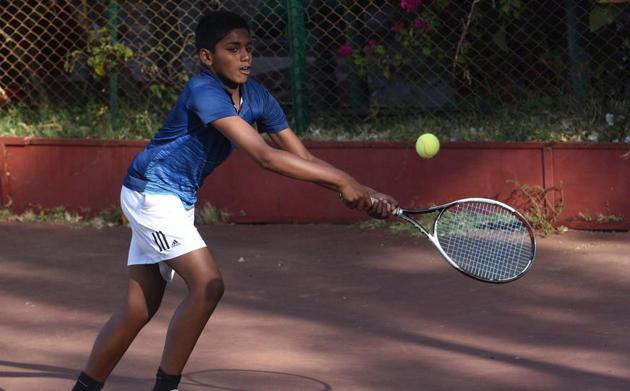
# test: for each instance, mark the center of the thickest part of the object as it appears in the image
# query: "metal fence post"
(295, 10)
(113, 75)
(578, 57)
(359, 89)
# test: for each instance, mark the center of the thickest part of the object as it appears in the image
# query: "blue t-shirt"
(187, 147)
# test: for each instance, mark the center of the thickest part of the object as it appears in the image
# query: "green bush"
(88, 121)
(536, 119)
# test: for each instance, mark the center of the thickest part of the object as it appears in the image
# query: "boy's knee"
(139, 315)
(209, 293)
(214, 290)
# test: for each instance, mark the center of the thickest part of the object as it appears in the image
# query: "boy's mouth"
(245, 70)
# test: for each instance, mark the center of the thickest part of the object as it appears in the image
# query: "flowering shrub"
(410, 5)
(427, 37)
(410, 33)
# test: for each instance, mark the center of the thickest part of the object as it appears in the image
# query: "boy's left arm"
(287, 140)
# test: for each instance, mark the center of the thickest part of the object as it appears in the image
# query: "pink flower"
(396, 27)
(420, 24)
(345, 50)
(371, 43)
(410, 5)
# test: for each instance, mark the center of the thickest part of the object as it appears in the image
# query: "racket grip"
(395, 211)
(372, 199)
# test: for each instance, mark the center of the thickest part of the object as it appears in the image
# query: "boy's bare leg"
(144, 295)
(205, 289)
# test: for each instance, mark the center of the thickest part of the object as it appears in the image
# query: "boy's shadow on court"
(252, 380)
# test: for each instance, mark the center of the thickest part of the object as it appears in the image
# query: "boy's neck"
(233, 88)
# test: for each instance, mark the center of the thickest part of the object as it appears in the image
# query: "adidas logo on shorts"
(160, 240)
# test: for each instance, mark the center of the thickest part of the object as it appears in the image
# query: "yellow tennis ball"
(427, 146)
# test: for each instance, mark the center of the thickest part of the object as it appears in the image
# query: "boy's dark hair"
(214, 26)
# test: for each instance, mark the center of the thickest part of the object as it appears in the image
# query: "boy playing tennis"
(213, 115)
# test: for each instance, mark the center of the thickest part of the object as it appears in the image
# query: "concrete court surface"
(325, 307)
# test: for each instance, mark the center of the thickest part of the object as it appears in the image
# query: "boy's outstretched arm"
(292, 165)
(290, 142)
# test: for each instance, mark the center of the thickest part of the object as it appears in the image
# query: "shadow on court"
(321, 307)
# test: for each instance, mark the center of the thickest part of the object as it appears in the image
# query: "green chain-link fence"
(473, 69)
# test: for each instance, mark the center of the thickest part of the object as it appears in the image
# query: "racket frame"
(432, 236)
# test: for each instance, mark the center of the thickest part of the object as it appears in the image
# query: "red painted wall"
(76, 174)
(80, 174)
(596, 180)
(458, 171)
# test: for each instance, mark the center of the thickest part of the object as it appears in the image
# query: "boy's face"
(231, 59)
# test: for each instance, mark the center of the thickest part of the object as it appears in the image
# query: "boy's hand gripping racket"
(482, 238)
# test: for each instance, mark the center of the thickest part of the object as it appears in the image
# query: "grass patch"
(397, 226)
(109, 217)
(530, 120)
(211, 215)
(533, 119)
(88, 121)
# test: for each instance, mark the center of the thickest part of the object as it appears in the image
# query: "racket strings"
(485, 240)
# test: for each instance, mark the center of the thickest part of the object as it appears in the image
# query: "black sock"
(166, 382)
(86, 383)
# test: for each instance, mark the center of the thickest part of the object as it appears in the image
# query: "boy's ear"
(206, 57)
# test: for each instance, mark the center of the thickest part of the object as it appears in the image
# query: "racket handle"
(396, 211)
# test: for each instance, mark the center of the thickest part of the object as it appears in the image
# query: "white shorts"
(161, 227)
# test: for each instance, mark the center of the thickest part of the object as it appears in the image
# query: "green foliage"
(399, 227)
(164, 94)
(101, 54)
(528, 120)
(402, 228)
(211, 215)
(85, 121)
(534, 119)
(602, 15)
(540, 206)
(56, 215)
(109, 217)
(603, 217)
(165, 79)
(5, 214)
(392, 225)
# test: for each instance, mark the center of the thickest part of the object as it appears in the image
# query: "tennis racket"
(482, 238)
